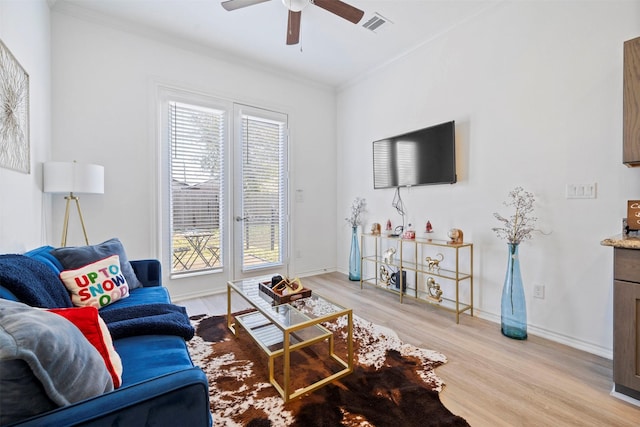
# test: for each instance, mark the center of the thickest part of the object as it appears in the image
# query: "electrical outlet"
(538, 291)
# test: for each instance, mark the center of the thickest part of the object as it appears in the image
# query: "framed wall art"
(14, 113)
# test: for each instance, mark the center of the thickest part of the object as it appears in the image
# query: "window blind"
(263, 183)
(196, 139)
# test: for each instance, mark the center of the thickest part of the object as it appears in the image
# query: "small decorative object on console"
(428, 228)
(433, 289)
(410, 233)
(433, 264)
(385, 277)
(455, 234)
(375, 229)
(388, 255)
(395, 280)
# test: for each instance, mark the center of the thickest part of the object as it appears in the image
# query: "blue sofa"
(160, 384)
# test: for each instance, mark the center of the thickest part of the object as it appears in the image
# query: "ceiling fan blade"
(239, 4)
(293, 27)
(340, 8)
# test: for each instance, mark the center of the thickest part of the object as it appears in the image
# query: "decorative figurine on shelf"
(410, 233)
(429, 228)
(388, 227)
(388, 255)
(375, 229)
(433, 289)
(433, 264)
(385, 277)
(455, 234)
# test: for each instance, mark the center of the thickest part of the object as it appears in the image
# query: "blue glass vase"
(354, 255)
(514, 307)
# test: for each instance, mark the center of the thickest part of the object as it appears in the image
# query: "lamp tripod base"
(65, 227)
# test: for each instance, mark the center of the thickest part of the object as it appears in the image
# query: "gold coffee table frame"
(279, 330)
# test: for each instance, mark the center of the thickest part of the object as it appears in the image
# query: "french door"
(260, 192)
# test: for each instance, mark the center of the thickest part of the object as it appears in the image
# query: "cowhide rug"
(393, 384)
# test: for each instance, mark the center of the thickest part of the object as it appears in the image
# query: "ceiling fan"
(295, 7)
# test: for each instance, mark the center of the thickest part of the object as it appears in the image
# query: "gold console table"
(448, 276)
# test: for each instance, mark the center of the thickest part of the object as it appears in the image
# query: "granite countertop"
(620, 241)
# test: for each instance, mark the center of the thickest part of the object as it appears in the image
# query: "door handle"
(239, 218)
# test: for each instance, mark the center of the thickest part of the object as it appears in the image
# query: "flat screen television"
(422, 157)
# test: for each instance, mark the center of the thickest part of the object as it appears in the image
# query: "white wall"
(104, 112)
(25, 30)
(535, 89)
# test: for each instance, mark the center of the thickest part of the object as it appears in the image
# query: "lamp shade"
(73, 177)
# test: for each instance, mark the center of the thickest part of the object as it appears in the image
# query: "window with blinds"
(196, 140)
(263, 191)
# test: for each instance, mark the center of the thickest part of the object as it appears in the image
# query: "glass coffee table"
(283, 329)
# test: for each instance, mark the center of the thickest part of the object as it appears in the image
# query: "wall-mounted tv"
(422, 157)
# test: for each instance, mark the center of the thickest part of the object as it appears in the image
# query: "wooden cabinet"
(626, 321)
(631, 103)
(446, 283)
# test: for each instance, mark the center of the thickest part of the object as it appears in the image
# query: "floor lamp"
(72, 178)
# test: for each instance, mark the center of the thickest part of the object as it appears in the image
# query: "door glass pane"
(263, 192)
(196, 152)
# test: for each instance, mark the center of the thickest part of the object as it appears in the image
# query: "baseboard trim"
(203, 294)
(624, 397)
(314, 272)
(607, 353)
(222, 288)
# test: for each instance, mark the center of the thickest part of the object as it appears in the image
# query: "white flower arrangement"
(520, 225)
(357, 209)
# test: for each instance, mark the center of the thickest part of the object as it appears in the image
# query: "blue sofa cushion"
(148, 271)
(151, 295)
(69, 368)
(32, 282)
(43, 254)
(150, 356)
(72, 258)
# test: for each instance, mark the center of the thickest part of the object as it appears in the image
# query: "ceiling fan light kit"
(295, 5)
(337, 7)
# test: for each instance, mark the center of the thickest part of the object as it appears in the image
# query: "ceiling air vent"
(376, 23)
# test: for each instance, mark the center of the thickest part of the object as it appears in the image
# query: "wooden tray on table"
(265, 287)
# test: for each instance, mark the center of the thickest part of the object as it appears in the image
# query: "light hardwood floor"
(490, 380)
